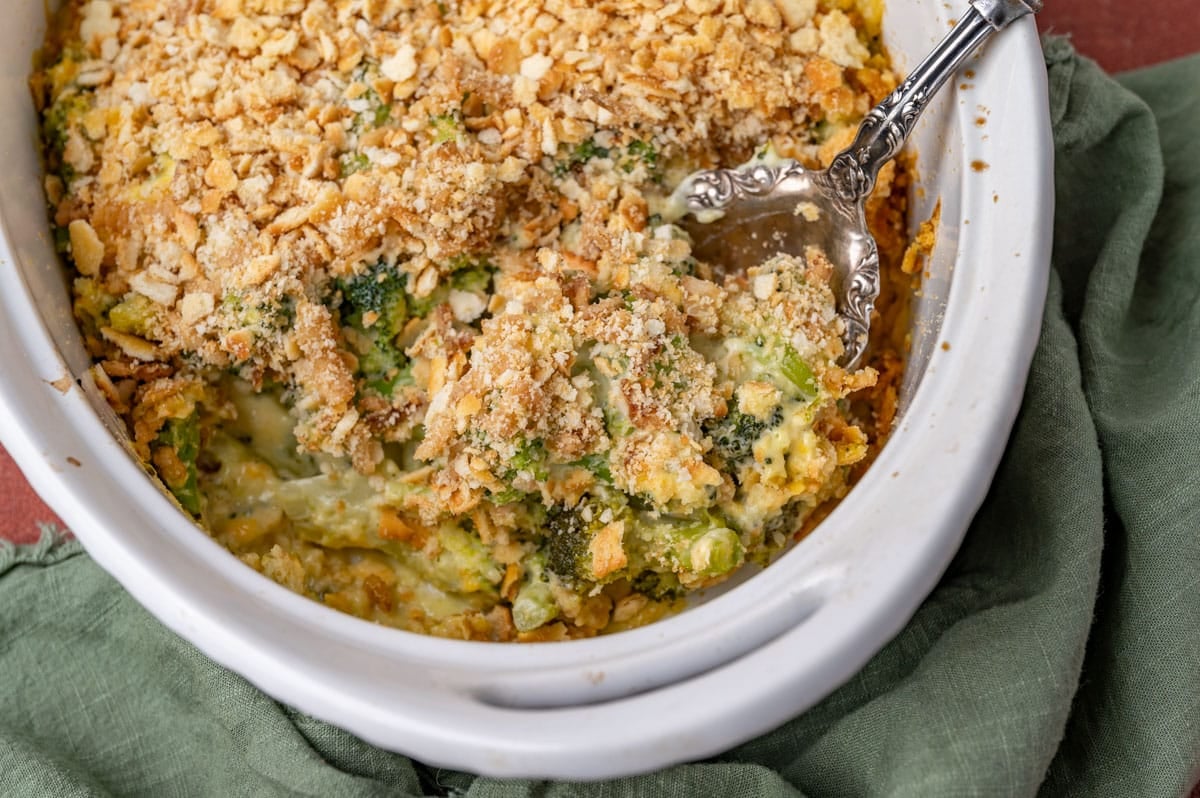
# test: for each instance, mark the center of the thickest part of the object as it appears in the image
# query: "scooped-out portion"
(386, 297)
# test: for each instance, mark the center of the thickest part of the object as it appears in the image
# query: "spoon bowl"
(742, 216)
(764, 209)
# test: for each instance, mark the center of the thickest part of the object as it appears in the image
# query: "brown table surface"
(1119, 34)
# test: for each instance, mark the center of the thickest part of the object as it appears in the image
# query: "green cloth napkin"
(1060, 655)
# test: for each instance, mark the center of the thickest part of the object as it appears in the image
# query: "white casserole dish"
(731, 667)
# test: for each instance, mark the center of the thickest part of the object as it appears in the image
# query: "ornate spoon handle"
(885, 129)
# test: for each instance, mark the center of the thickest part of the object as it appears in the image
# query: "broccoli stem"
(176, 466)
(695, 548)
(534, 604)
(798, 373)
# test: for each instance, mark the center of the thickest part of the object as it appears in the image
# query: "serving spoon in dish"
(741, 216)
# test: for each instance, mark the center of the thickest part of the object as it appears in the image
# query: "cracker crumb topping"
(434, 233)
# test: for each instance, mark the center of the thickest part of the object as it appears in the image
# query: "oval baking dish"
(734, 664)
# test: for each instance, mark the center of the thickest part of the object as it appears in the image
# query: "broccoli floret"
(520, 472)
(259, 320)
(658, 586)
(92, 304)
(350, 163)
(57, 120)
(375, 305)
(446, 127)
(528, 463)
(376, 112)
(569, 533)
(644, 153)
(384, 366)
(598, 465)
(62, 240)
(507, 496)
(734, 436)
(134, 315)
(279, 315)
(568, 542)
(472, 276)
(530, 458)
(662, 550)
(420, 308)
(583, 152)
(375, 299)
(588, 150)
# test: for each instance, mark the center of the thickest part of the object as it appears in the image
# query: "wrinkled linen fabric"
(1059, 655)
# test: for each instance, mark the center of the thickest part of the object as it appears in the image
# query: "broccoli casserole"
(389, 299)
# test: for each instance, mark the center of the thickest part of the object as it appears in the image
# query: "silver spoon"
(741, 216)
